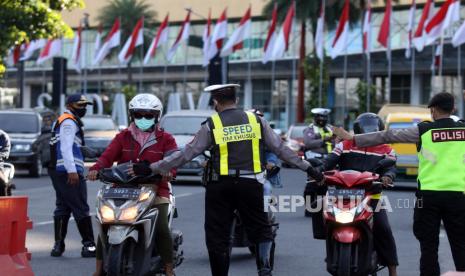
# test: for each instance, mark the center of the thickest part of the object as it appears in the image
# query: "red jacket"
(124, 148)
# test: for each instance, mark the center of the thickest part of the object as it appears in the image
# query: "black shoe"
(219, 263)
(265, 258)
(88, 245)
(61, 228)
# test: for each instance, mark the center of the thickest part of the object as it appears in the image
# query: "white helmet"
(146, 102)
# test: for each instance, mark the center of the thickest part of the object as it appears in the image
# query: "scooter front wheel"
(345, 259)
(120, 261)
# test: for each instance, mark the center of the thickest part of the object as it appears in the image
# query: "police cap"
(320, 111)
(443, 101)
(227, 90)
(78, 99)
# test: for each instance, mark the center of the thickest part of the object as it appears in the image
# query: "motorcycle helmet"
(146, 103)
(320, 116)
(368, 122)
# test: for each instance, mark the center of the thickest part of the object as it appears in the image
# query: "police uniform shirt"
(68, 129)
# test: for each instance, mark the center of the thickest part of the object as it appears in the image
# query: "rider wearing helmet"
(144, 141)
(349, 157)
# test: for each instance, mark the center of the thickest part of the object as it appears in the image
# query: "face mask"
(80, 112)
(144, 124)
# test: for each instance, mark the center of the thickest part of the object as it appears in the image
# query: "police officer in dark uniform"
(237, 140)
(441, 179)
(66, 171)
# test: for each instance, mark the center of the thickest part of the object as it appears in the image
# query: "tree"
(309, 11)
(129, 11)
(25, 20)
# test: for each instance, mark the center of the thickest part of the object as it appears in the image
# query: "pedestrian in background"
(66, 171)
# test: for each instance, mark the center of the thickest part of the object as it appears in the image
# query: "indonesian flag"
(443, 19)
(32, 47)
(136, 39)
(437, 58)
(219, 33)
(271, 37)
(183, 35)
(206, 37)
(159, 39)
(98, 41)
(459, 36)
(367, 30)
(111, 41)
(14, 54)
(419, 38)
(282, 41)
(76, 57)
(410, 28)
(342, 32)
(242, 32)
(385, 30)
(52, 48)
(319, 35)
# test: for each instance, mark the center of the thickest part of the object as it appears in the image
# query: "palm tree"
(129, 12)
(309, 11)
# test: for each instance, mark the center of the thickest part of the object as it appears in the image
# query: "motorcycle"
(7, 172)
(126, 223)
(348, 220)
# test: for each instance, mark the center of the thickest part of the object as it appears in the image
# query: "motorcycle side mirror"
(315, 162)
(207, 154)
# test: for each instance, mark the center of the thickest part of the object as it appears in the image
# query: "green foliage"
(312, 74)
(26, 20)
(362, 89)
(129, 91)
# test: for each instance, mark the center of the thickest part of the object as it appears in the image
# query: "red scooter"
(348, 220)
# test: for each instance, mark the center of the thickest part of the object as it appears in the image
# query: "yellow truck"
(404, 116)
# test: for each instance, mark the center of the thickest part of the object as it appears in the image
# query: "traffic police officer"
(441, 179)
(66, 171)
(236, 139)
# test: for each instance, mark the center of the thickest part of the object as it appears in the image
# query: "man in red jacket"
(143, 141)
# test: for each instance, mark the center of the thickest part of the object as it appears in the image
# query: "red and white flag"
(241, 33)
(111, 41)
(158, 40)
(98, 41)
(319, 35)
(51, 49)
(33, 46)
(435, 65)
(136, 39)
(419, 38)
(271, 37)
(76, 56)
(448, 14)
(342, 32)
(282, 41)
(410, 28)
(219, 34)
(183, 35)
(206, 37)
(14, 54)
(459, 36)
(367, 30)
(384, 35)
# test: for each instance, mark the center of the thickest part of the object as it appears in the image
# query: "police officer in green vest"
(236, 140)
(441, 179)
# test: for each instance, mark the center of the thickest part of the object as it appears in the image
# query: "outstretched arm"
(403, 135)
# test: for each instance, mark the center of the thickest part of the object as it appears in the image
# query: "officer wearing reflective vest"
(441, 179)
(66, 170)
(236, 139)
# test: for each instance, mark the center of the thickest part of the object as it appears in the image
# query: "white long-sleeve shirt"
(68, 130)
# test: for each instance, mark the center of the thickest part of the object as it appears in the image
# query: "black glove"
(142, 169)
(315, 173)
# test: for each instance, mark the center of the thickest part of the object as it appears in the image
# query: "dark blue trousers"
(69, 199)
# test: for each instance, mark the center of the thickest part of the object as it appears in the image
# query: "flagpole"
(119, 64)
(249, 77)
(412, 70)
(83, 43)
(185, 66)
(459, 79)
(389, 63)
(368, 82)
(165, 69)
(141, 69)
(320, 86)
(273, 72)
(345, 88)
(441, 55)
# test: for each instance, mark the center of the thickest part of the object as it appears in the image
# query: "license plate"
(346, 193)
(121, 193)
(411, 171)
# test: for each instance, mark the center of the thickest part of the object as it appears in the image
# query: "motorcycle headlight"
(144, 196)
(129, 214)
(107, 213)
(21, 147)
(344, 217)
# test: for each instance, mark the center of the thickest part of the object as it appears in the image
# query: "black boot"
(219, 263)
(265, 258)
(88, 245)
(61, 228)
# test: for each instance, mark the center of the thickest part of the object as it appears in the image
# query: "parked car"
(295, 139)
(99, 131)
(183, 125)
(30, 133)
